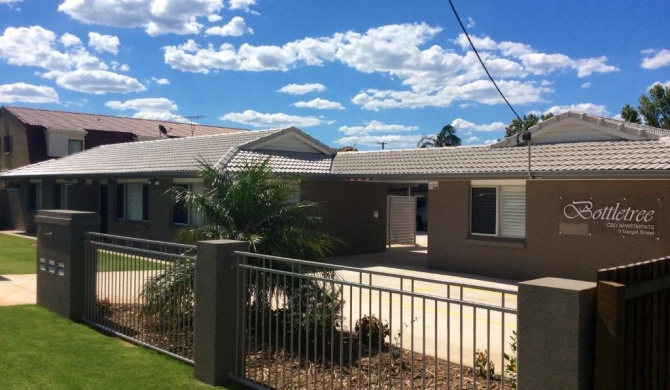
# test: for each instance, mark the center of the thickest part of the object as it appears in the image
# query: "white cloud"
(481, 91)
(375, 127)
(666, 84)
(588, 108)
(391, 141)
(149, 108)
(214, 18)
(120, 67)
(244, 5)
(100, 43)
(27, 93)
(301, 89)
(472, 139)
(433, 75)
(147, 104)
(277, 120)
(471, 23)
(161, 81)
(33, 46)
(535, 62)
(658, 59)
(156, 17)
(463, 124)
(320, 104)
(586, 85)
(71, 65)
(97, 82)
(235, 28)
(10, 1)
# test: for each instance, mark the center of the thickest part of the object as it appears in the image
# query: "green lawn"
(17, 255)
(110, 261)
(41, 350)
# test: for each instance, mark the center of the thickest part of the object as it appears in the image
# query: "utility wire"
(472, 45)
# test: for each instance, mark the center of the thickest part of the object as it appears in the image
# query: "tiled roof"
(283, 162)
(62, 120)
(570, 159)
(614, 127)
(179, 156)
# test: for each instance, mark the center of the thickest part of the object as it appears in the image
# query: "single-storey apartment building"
(587, 193)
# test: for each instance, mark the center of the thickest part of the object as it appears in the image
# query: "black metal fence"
(142, 291)
(305, 325)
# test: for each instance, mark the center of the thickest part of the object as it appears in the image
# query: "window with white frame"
(132, 201)
(498, 209)
(182, 215)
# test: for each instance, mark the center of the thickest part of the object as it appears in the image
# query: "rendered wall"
(348, 212)
(545, 252)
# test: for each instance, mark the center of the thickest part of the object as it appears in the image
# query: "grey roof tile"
(283, 162)
(175, 156)
(551, 158)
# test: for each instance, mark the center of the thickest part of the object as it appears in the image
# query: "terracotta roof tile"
(141, 127)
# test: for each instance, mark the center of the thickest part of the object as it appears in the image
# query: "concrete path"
(18, 289)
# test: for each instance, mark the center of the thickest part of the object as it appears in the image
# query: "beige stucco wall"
(544, 252)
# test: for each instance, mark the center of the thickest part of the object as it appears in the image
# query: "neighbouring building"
(588, 193)
(29, 136)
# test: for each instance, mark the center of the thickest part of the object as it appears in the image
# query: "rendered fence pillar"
(61, 279)
(556, 334)
(216, 297)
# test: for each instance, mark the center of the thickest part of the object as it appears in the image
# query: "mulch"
(287, 369)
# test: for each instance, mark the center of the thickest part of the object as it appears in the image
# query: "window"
(132, 201)
(182, 215)
(7, 144)
(60, 196)
(34, 196)
(74, 146)
(498, 211)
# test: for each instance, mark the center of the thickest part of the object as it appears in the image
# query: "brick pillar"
(61, 278)
(216, 297)
(556, 334)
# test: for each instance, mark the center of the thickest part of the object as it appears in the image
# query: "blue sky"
(347, 72)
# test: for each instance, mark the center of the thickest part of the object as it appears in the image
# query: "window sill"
(501, 242)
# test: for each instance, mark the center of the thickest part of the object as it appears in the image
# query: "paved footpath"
(18, 289)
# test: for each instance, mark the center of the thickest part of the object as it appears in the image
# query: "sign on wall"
(609, 215)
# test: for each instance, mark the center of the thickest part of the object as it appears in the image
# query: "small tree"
(528, 121)
(630, 114)
(655, 107)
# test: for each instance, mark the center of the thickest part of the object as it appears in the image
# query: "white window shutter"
(134, 202)
(513, 211)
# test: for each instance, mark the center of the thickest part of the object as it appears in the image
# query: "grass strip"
(18, 255)
(41, 350)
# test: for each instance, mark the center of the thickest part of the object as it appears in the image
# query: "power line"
(472, 45)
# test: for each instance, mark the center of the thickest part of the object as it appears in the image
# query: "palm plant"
(446, 137)
(257, 207)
